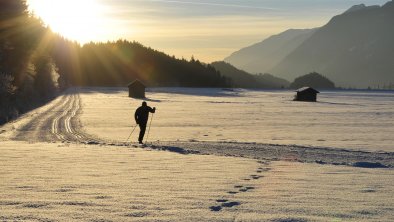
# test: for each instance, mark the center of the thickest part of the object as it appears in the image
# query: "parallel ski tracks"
(59, 122)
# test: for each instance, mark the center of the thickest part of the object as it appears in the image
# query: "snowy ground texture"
(236, 156)
(352, 120)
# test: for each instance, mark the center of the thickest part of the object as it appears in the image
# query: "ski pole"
(150, 123)
(131, 133)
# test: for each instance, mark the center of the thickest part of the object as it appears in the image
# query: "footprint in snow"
(225, 204)
(245, 189)
(221, 200)
(255, 177)
(215, 208)
(231, 204)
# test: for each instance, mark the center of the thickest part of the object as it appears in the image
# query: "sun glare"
(82, 21)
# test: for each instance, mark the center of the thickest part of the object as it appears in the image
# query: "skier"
(141, 118)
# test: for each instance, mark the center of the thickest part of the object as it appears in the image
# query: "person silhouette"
(141, 118)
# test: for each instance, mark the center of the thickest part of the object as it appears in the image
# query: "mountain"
(354, 49)
(263, 56)
(243, 79)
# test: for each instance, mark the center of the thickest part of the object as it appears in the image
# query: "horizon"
(185, 29)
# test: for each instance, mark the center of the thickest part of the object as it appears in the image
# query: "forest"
(314, 80)
(36, 63)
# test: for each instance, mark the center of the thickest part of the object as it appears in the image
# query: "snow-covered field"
(352, 120)
(66, 182)
(48, 172)
(60, 182)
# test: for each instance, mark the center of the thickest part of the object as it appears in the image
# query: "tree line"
(28, 74)
(117, 63)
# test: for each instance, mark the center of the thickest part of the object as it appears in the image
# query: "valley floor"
(69, 161)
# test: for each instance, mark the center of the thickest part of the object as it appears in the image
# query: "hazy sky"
(208, 29)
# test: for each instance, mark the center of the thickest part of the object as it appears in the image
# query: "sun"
(79, 20)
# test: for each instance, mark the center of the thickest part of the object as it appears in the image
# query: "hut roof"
(307, 89)
(136, 82)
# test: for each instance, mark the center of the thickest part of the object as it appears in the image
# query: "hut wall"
(306, 97)
(137, 91)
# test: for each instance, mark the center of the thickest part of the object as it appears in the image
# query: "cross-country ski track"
(58, 121)
(68, 161)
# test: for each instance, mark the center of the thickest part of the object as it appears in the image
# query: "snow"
(74, 182)
(322, 193)
(63, 182)
(49, 172)
(342, 119)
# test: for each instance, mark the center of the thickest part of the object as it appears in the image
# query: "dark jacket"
(142, 114)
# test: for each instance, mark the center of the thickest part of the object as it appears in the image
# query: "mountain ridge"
(275, 48)
(242, 79)
(354, 49)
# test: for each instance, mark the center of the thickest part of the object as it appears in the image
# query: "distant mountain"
(360, 7)
(263, 56)
(243, 79)
(272, 81)
(314, 80)
(354, 49)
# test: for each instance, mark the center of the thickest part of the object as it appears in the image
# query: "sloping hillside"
(354, 49)
(240, 78)
(263, 56)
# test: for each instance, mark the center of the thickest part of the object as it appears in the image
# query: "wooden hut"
(137, 89)
(307, 94)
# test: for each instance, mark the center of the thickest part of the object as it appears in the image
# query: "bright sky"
(209, 30)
